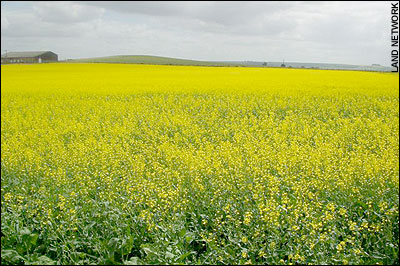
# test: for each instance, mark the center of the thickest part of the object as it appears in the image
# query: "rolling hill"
(151, 60)
(160, 60)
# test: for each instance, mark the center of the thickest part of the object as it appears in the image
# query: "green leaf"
(132, 261)
(11, 256)
(182, 232)
(34, 238)
(44, 260)
(25, 231)
(127, 246)
(169, 255)
(189, 237)
(183, 256)
(113, 243)
(148, 251)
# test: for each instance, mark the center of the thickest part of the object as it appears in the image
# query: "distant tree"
(265, 64)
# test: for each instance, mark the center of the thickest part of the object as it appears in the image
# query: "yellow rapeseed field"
(125, 164)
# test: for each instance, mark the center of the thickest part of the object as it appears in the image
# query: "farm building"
(29, 57)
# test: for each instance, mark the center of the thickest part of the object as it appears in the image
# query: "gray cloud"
(50, 19)
(66, 12)
(336, 32)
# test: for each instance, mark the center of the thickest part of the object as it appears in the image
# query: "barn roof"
(24, 54)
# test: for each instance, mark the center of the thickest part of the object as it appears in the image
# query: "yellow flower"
(261, 253)
(263, 150)
(247, 218)
(357, 251)
(352, 226)
(8, 196)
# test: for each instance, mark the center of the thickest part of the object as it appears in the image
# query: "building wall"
(19, 60)
(49, 57)
(45, 58)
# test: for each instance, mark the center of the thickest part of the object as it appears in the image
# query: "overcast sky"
(318, 32)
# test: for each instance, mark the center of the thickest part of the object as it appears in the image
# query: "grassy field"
(130, 164)
(150, 60)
